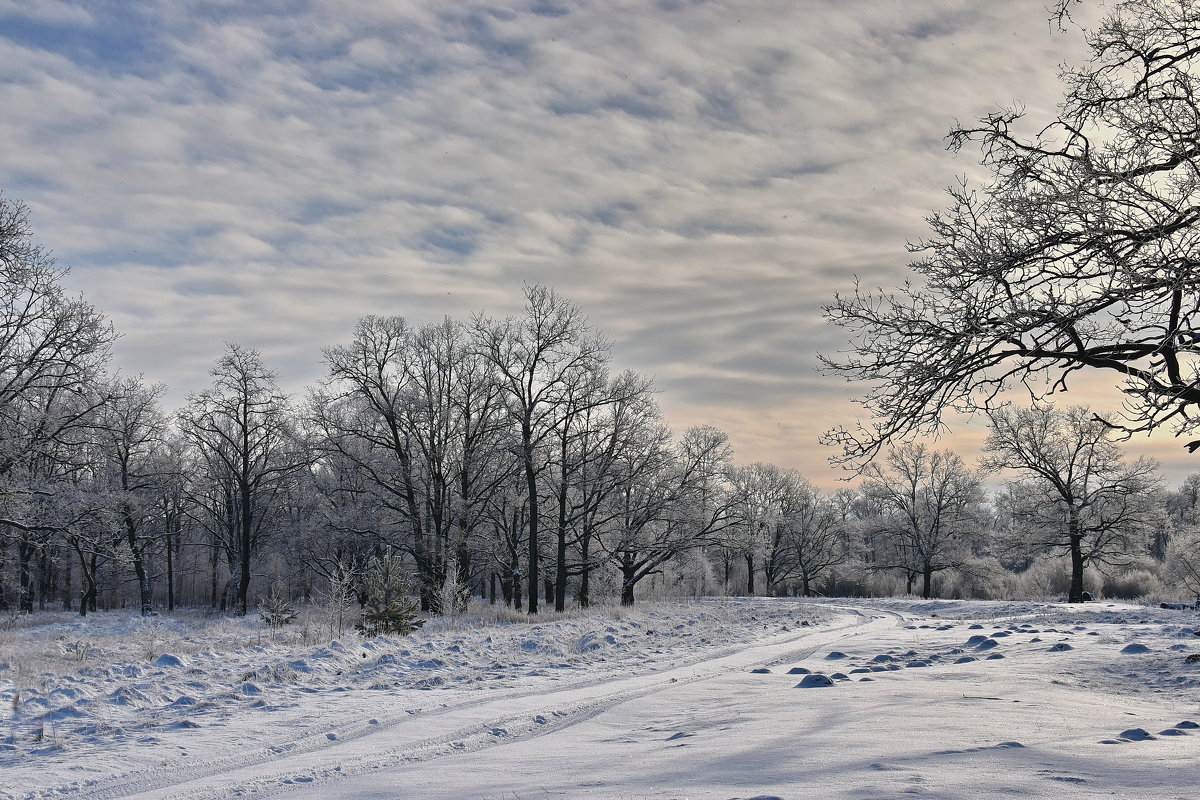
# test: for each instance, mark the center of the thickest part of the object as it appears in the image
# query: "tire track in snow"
(403, 737)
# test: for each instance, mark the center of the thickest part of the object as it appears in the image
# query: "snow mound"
(1135, 735)
(813, 681)
(1135, 648)
(169, 660)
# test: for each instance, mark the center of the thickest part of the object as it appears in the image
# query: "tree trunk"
(1076, 593)
(806, 584)
(927, 582)
(87, 600)
(585, 579)
(245, 539)
(560, 567)
(67, 585)
(531, 488)
(170, 575)
(628, 579)
(139, 565)
(214, 559)
(749, 574)
(25, 550)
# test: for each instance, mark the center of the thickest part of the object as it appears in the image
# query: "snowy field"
(717, 699)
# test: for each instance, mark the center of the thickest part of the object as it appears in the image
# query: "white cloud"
(701, 176)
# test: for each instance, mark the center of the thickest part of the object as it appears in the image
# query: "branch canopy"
(1080, 253)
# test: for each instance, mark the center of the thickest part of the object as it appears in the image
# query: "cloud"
(700, 176)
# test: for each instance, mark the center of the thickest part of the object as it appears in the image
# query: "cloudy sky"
(699, 175)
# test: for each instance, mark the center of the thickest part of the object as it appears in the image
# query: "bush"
(1183, 562)
(1132, 584)
(980, 579)
(1049, 578)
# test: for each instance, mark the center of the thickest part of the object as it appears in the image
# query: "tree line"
(501, 457)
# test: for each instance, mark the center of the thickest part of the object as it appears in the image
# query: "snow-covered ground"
(715, 699)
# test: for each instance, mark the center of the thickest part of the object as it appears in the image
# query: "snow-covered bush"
(980, 579)
(1132, 584)
(454, 594)
(1183, 562)
(1049, 578)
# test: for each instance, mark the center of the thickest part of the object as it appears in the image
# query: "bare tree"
(674, 500)
(53, 350)
(135, 470)
(1078, 254)
(242, 429)
(538, 358)
(1079, 493)
(813, 535)
(421, 419)
(928, 497)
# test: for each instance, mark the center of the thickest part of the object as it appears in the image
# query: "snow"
(701, 700)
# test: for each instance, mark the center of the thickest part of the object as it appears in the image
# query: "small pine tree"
(276, 610)
(388, 609)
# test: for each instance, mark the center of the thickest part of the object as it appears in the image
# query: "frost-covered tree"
(249, 451)
(1078, 254)
(53, 351)
(928, 498)
(540, 360)
(1076, 493)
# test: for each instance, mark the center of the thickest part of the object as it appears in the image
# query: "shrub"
(1132, 584)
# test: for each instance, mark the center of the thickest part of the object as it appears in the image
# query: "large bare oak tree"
(1080, 253)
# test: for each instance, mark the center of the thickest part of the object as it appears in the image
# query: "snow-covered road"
(945, 699)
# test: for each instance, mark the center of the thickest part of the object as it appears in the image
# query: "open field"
(705, 700)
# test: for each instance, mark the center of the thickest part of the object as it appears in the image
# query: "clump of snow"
(815, 680)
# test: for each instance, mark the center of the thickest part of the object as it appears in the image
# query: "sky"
(700, 176)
